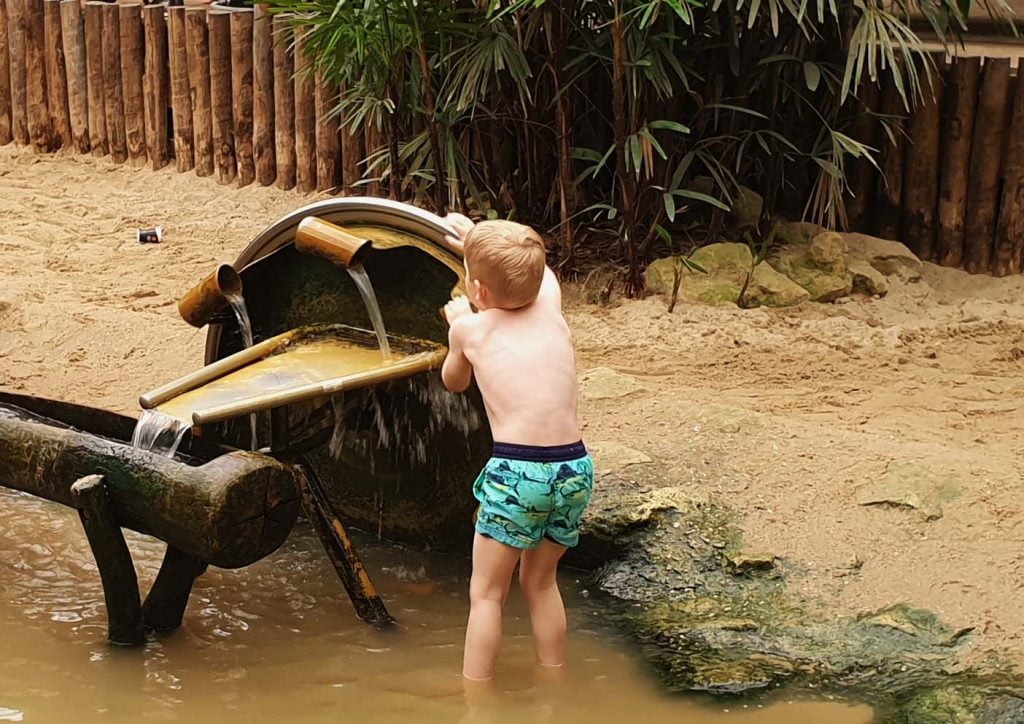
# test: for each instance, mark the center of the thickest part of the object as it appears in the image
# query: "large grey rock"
(819, 267)
(727, 265)
(909, 484)
(867, 279)
(891, 258)
(769, 288)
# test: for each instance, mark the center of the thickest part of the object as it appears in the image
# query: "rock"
(891, 258)
(794, 233)
(746, 209)
(769, 288)
(602, 383)
(614, 456)
(743, 564)
(819, 267)
(910, 485)
(727, 265)
(867, 279)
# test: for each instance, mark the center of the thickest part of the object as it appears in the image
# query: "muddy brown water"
(277, 641)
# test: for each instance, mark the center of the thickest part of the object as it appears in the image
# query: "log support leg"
(120, 584)
(165, 605)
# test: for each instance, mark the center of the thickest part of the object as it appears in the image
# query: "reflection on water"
(278, 642)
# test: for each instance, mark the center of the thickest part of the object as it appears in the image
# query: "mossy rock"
(727, 265)
(769, 288)
(819, 267)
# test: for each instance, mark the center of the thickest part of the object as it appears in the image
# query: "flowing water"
(277, 642)
(362, 280)
(159, 433)
(237, 302)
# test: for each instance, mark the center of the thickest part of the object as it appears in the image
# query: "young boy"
(534, 489)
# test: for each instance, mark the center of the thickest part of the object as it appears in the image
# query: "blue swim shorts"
(529, 493)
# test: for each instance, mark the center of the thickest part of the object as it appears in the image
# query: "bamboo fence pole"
(198, 57)
(113, 88)
(181, 99)
(56, 76)
(6, 132)
(241, 93)
(305, 120)
(986, 160)
(73, 40)
(133, 61)
(865, 130)
(284, 103)
(37, 105)
(958, 132)
(1009, 246)
(19, 90)
(889, 198)
(155, 85)
(263, 97)
(921, 169)
(219, 24)
(328, 142)
(97, 120)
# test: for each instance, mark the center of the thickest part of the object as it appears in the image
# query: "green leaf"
(697, 196)
(812, 75)
(669, 126)
(670, 206)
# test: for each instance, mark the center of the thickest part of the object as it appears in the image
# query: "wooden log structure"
(181, 96)
(156, 84)
(37, 104)
(1009, 244)
(16, 57)
(374, 145)
(921, 167)
(241, 94)
(352, 156)
(229, 512)
(113, 88)
(73, 40)
(263, 140)
(219, 25)
(165, 605)
(986, 163)
(866, 131)
(889, 199)
(97, 119)
(284, 103)
(133, 60)
(56, 76)
(198, 57)
(113, 559)
(305, 119)
(6, 134)
(961, 98)
(328, 142)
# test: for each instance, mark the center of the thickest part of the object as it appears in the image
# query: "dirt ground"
(788, 416)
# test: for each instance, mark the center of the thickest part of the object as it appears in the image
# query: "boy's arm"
(457, 371)
(550, 291)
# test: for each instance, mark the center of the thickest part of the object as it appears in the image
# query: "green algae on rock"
(728, 267)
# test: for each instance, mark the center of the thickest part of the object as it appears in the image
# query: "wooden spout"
(210, 296)
(332, 242)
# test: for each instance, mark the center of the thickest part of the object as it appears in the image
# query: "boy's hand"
(462, 226)
(458, 307)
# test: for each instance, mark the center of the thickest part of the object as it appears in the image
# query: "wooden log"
(155, 83)
(1009, 246)
(305, 119)
(284, 103)
(921, 166)
(352, 156)
(113, 88)
(19, 89)
(374, 146)
(328, 142)
(73, 40)
(198, 56)
(889, 200)
(241, 94)
(231, 511)
(962, 98)
(219, 23)
(6, 134)
(866, 131)
(181, 98)
(94, 77)
(165, 605)
(113, 559)
(37, 104)
(56, 76)
(133, 61)
(986, 162)
(263, 97)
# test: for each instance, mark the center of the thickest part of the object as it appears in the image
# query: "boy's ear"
(482, 291)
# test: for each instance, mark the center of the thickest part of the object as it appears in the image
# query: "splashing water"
(159, 433)
(362, 280)
(237, 302)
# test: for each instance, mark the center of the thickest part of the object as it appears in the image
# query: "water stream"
(362, 280)
(277, 642)
(159, 433)
(237, 302)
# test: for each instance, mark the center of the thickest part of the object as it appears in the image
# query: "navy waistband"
(538, 454)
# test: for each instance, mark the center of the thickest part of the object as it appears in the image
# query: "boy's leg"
(493, 564)
(538, 579)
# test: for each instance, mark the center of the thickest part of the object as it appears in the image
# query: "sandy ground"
(787, 416)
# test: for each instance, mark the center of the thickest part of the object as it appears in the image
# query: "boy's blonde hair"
(509, 259)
